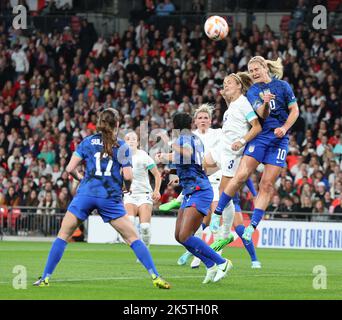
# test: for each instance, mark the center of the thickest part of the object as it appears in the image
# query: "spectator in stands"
(47, 205)
(318, 210)
(12, 198)
(165, 8)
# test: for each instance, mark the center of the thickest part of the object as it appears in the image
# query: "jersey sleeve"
(125, 155)
(248, 112)
(289, 95)
(148, 162)
(254, 98)
(80, 151)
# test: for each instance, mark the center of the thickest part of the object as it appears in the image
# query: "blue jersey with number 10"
(266, 147)
(103, 177)
(189, 170)
(279, 110)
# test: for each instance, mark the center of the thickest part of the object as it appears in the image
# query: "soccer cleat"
(184, 258)
(222, 270)
(221, 243)
(195, 263)
(173, 204)
(160, 282)
(247, 234)
(215, 223)
(256, 264)
(211, 273)
(42, 282)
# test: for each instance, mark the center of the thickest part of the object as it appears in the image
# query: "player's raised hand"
(280, 132)
(267, 97)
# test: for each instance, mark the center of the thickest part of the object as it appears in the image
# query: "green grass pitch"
(110, 271)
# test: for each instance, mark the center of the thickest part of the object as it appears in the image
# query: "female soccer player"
(274, 101)
(105, 157)
(211, 139)
(240, 125)
(187, 155)
(140, 201)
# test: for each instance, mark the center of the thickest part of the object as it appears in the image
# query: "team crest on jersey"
(251, 148)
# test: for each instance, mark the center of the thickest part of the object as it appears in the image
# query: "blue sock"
(203, 225)
(198, 245)
(248, 244)
(208, 263)
(55, 255)
(236, 201)
(256, 217)
(250, 186)
(144, 256)
(222, 203)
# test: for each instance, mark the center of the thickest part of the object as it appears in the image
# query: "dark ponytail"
(107, 126)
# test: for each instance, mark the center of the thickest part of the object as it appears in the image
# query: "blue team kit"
(197, 189)
(266, 147)
(101, 187)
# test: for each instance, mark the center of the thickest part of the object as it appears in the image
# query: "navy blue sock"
(144, 256)
(256, 217)
(55, 255)
(250, 186)
(248, 244)
(203, 225)
(208, 263)
(222, 203)
(203, 249)
(236, 201)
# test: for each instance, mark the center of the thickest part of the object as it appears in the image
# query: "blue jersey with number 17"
(189, 170)
(103, 177)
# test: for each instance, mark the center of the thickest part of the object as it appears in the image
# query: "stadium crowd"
(53, 85)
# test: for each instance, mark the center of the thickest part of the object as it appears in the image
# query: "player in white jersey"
(240, 125)
(140, 201)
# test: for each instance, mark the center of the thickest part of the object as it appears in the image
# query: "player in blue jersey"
(107, 167)
(274, 102)
(187, 156)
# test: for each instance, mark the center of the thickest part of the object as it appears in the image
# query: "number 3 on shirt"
(230, 164)
(98, 171)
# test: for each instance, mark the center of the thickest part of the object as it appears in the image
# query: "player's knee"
(266, 186)
(183, 236)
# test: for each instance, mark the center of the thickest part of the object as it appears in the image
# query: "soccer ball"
(216, 28)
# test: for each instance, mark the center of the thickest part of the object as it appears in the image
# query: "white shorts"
(138, 199)
(227, 160)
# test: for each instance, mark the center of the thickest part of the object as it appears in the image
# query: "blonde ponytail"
(275, 68)
(244, 79)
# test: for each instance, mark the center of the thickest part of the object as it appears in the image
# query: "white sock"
(180, 197)
(145, 233)
(228, 219)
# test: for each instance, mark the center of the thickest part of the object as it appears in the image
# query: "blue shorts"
(201, 200)
(81, 206)
(268, 149)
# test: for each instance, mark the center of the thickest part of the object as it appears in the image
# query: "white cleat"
(195, 263)
(222, 270)
(211, 273)
(256, 264)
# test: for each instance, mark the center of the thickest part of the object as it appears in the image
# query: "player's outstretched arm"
(157, 182)
(127, 173)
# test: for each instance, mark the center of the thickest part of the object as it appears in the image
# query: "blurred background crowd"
(53, 85)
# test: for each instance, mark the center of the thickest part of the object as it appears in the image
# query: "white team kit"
(211, 140)
(141, 188)
(236, 124)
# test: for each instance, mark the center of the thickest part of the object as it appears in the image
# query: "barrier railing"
(45, 222)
